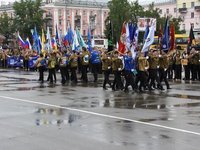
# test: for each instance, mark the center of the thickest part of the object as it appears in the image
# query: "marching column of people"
(144, 72)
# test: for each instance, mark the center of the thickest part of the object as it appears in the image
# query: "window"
(59, 12)
(160, 11)
(60, 21)
(184, 5)
(192, 25)
(192, 14)
(183, 26)
(192, 4)
(68, 12)
(84, 32)
(84, 12)
(167, 10)
(175, 10)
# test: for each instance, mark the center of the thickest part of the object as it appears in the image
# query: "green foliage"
(121, 10)
(28, 14)
(6, 28)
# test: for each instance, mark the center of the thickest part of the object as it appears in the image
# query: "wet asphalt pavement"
(36, 116)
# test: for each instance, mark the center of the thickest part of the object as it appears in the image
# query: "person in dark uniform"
(117, 66)
(129, 68)
(163, 63)
(194, 63)
(170, 69)
(153, 70)
(73, 62)
(51, 67)
(95, 60)
(178, 67)
(40, 64)
(62, 66)
(85, 57)
(106, 68)
(26, 59)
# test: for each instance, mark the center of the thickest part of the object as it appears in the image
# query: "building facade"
(188, 10)
(75, 13)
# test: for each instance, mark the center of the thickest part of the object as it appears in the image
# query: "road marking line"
(102, 115)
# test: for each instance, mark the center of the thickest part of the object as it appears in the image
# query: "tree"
(119, 12)
(28, 14)
(6, 28)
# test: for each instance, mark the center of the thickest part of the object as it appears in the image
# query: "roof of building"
(147, 2)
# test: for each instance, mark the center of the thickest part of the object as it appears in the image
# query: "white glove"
(108, 57)
(158, 66)
(109, 67)
(119, 69)
(165, 69)
(159, 55)
(146, 68)
(147, 57)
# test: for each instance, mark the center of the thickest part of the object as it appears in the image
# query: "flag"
(43, 40)
(48, 43)
(27, 44)
(150, 38)
(172, 36)
(80, 39)
(70, 35)
(75, 45)
(191, 38)
(40, 42)
(128, 41)
(36, 45)
(54, 44)
(57, 38)
(146, 32)
(122, 41)
(65, 40)
(135, 40)
(160, 35)
(89, 40)
(110, 37)
(166, 36)
(20, 41)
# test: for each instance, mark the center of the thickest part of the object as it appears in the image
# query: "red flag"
(122, 41)
(172, 36)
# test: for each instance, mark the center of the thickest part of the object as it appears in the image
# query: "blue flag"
(36, 45)
(166, 37)
(89, 40)
(146, 32)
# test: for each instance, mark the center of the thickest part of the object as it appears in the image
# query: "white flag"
(150, 37)
(48, 44)
(75, 44)
(135, 43)
(128, 43)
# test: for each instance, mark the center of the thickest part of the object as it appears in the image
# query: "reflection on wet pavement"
(46, 117)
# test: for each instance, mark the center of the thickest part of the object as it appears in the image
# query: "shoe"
(104, 88)
(162, 89)
(169, 88)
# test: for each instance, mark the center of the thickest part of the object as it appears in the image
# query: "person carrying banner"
(40, 64)
(73, 63)
(85, 57)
